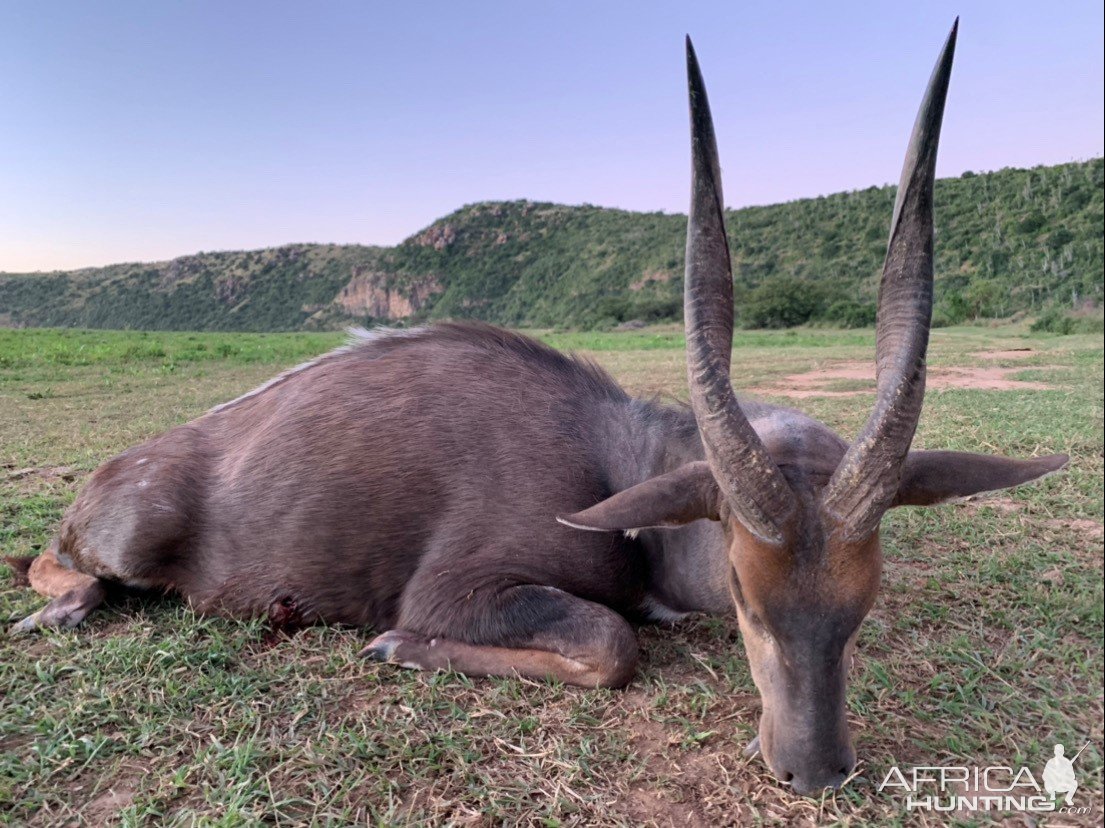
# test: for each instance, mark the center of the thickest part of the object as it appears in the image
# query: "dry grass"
(985, 646)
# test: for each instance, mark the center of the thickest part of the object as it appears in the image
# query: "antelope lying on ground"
(412, 480)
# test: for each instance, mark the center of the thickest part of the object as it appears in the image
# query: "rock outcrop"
(375, 294)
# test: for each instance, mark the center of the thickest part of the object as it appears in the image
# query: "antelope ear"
(931, 477)
(687, 494)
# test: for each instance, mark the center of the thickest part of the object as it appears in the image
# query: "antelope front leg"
(569, 639)
(410, 650)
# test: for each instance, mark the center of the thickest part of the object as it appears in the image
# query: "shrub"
(1057, 321)
(781, 303)
(940, 320)
(851, 314)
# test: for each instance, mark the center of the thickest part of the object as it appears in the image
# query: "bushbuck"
(433, 484)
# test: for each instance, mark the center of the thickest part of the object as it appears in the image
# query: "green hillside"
(1013, 241)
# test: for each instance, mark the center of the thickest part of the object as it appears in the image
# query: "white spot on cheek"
(143, 484)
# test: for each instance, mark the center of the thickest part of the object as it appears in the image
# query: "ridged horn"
(865, 483)
(755, 489)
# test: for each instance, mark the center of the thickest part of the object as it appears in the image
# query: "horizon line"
(470, 204)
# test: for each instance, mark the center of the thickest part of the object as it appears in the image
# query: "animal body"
(408, 481)
(497, 507)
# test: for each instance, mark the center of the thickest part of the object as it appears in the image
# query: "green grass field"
(985, 646)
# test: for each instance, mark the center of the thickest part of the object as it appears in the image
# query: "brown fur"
(48, 577)
(20, 568)
(389, 486)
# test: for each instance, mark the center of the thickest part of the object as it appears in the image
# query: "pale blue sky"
(146, 130)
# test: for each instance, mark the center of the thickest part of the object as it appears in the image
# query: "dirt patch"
(645, 807)
(648, 801)
(1011, 353)
(1001, 504)
(649, 738)
(820, 382)
(685, 775)
(48, 473)
(1083, 526)
(35, 480)
(104, 808)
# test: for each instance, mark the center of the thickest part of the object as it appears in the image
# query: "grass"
(985, 646)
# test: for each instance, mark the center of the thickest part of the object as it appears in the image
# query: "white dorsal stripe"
(358, 338)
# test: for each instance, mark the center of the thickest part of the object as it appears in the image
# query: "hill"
(1007, 242)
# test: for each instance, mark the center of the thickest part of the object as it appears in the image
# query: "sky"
(141, 131)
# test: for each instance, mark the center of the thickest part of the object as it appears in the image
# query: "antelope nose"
(812, 781)
(813, 785)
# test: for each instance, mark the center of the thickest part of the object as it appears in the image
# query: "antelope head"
(799, 507)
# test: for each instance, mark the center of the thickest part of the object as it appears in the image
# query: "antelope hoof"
(57, 616)
(383, 647)
(753, 747)
(27, 625)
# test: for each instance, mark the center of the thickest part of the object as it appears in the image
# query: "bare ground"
(826, 381)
